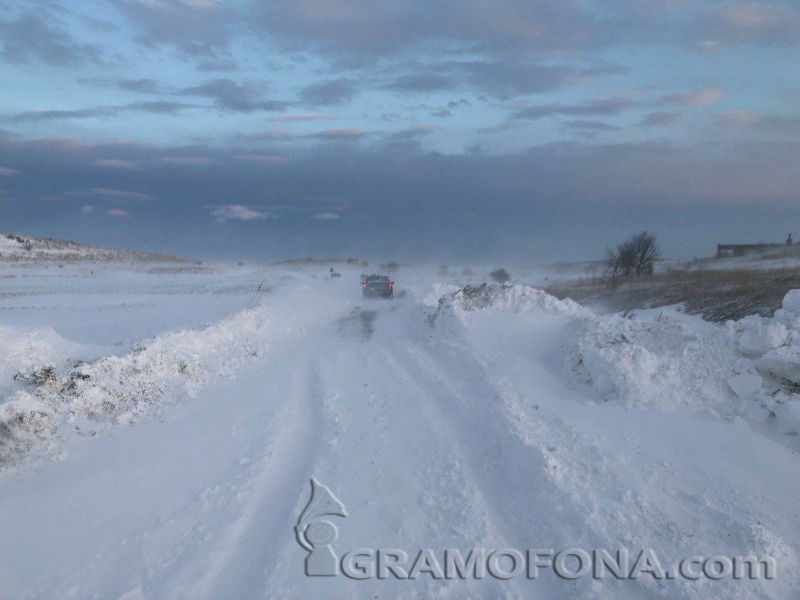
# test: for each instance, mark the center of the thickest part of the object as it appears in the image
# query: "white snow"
(760, 338)
(746, 386)
(16, 249)
(170, 455)
(791, 301)
(25, 350)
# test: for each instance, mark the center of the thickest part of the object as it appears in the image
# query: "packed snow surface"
(159, 429)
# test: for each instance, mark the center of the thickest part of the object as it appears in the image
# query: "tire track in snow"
(454, 497)
(612, 475)
(391, 462)
(511, 475)
(251, 544)
(508, 450)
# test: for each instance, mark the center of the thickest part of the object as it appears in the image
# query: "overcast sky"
(523, 130)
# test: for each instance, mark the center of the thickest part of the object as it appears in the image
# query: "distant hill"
(20, 248)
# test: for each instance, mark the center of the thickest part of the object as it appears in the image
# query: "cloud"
(498, 77)
(420, 82)
(159, 106)
(598, 106)
(352, 133)
(328, 93)
(87, 208)
(660, 119)
(114, 163)
(112, 194)
(514, 75)
(751, 15)
(198, 29)
(414, 132)
(103, 194)
(51, 115)
(408, 140)
(327, 216)
(698, 98)
(589, 126)
(36, 37)
(101, 112)
(6, 172)
(458, 103)
(117, 212)
(367, 33)
(780, 125)
(415, 201)
(616, 105)
(236, 212)
(745, 22)
(739, 118)
(138, 85)
(142, 85)
(302, 117)
(363, 30)
(233, 96)
(264, 159)
(217, 64)
(266, 136)
(191, 161)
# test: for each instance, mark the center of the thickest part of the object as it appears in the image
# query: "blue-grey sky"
(526, 130)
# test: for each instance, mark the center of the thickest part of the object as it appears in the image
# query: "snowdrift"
(746, 370)
(124, 389)
(503, 298)
(24, 351)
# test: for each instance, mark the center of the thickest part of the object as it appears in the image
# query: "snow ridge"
(514, 298)
(14, 248)
(125, 389)
(747, 369)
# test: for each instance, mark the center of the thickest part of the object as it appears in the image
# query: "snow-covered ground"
(22, 249)
(168, 452)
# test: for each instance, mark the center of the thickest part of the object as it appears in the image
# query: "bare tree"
(645, 252)
(500, 276)
(636, 255)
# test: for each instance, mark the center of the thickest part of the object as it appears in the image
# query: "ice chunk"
(782, 362)
(791, 301)
(745, 385)
(759, 339)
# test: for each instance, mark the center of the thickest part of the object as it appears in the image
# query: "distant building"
(727, 250)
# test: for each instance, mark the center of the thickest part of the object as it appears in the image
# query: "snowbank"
(747, 369)
(124, 389)
(774, 343)
(506, 298)
(672, 362)
(23, 351)
(437, 291)
(17, 248)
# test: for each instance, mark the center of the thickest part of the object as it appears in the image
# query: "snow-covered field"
(163, 426)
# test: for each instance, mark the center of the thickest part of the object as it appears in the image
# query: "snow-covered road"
(437, 427)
